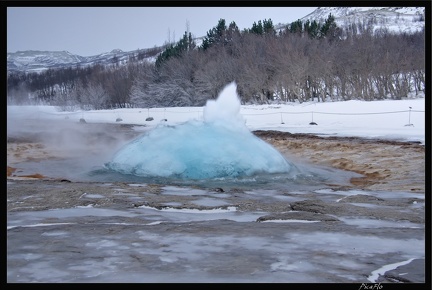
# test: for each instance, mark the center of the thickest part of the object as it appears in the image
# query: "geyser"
(219, 146)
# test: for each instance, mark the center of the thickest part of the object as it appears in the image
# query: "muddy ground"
(385, 165)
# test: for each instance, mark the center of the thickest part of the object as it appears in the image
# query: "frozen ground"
(126, 232)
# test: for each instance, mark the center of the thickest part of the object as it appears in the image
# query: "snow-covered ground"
(390, 119)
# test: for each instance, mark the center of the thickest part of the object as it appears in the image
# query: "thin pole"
(409, 116)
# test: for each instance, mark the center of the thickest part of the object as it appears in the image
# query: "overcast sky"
(88, 31)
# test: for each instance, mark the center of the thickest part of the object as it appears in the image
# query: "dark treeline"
(306, 61)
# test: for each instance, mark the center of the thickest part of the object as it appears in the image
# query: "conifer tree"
(257, 28)
(215, 35)
(268, 27)
(312, 28)
(186, 43)
(329, 25)
(296, 27)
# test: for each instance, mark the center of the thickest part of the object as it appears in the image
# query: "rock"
(303, 216)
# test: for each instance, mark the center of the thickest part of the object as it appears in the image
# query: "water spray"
(219, 146)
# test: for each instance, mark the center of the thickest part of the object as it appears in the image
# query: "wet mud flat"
(384, 164)
(369, 230)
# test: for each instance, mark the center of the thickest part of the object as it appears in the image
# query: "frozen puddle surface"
(141, 233)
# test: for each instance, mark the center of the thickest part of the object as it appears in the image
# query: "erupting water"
(220, 146)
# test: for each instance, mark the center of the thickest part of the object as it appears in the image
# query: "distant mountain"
(395, 19)
(35, 61)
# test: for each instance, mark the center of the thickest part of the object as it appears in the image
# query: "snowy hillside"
(32, 60)
(36, 61)
(395, 19)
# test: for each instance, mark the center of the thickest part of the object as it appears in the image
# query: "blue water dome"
(217, 147)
